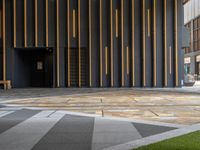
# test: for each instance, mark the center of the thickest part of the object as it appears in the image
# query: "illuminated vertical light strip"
(74, 23)
(170, 59)
(155, 41)
(127, 60)
(68, 42)
(4, 41)
(122, 42)
(106, 59)
(165, 42)
(116, 23)
(111, 42)
(47, 24)
(57, 43)
(36, 23)
(79, 40)
(25, 23)
(176, 40)
(133, 43)
(101, 43)
(149, 25)
(15, 24)
(144, 43)
(90, 40)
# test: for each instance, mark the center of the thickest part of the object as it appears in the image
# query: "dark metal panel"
(95, 43)
(138, 43)
(149, 45)
(63, 39)
(170, 42)
(30, 23)
(52, 23)
(41, 23)
(160, 44)
(19, 23)
(9, 39)
(63, 22)
(74, 6)
(105, 40)
(116, 46)
(127, 45)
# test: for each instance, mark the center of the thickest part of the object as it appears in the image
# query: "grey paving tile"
(70, 133)
(27, 133)
(146, 130)
(2, 106)
(59, 146)
(109, 133)
(11, 120)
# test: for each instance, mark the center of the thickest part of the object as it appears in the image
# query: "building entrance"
(34, 67)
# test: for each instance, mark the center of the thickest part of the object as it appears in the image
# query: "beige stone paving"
(171, 107)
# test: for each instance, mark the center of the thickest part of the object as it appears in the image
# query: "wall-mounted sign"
(39, 65)
(198, 58)
(187, 60)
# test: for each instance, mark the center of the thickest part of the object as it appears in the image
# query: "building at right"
(192, 53)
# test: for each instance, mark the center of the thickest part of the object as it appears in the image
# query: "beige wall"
(191, 10)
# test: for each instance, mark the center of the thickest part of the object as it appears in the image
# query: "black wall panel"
(138, 43)
(95, 44)
(30, 23)
(170, 43)
(17, 69)
(160, 47)
(41, 23)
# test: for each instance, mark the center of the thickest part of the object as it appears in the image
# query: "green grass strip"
(186, 142)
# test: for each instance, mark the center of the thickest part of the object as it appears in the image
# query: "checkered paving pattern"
(26, 129)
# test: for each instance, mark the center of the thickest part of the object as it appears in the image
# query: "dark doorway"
(36, 67)
(74, 67)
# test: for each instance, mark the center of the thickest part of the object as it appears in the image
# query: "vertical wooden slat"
(116, 23)
(25, 23)
(165, 43)
(90, 41)
(127, 60)
(101, 43)
(79, 40)
(47, 23)
(74, 23)
(155, 41)
(176, 40)
(144, 41)
(57, 43)
(149, 22)
(14, 24)
(68, 42)
(111, 42)
(106, 59)
(36, 23)
(133, 43)
(4, 41)
(122, 42)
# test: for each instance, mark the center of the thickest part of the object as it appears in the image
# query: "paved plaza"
(24, 129)
(95, 119)
(179, 106)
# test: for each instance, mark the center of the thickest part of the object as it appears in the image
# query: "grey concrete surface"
(52, 129)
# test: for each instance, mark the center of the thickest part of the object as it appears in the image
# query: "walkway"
(36, 129)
